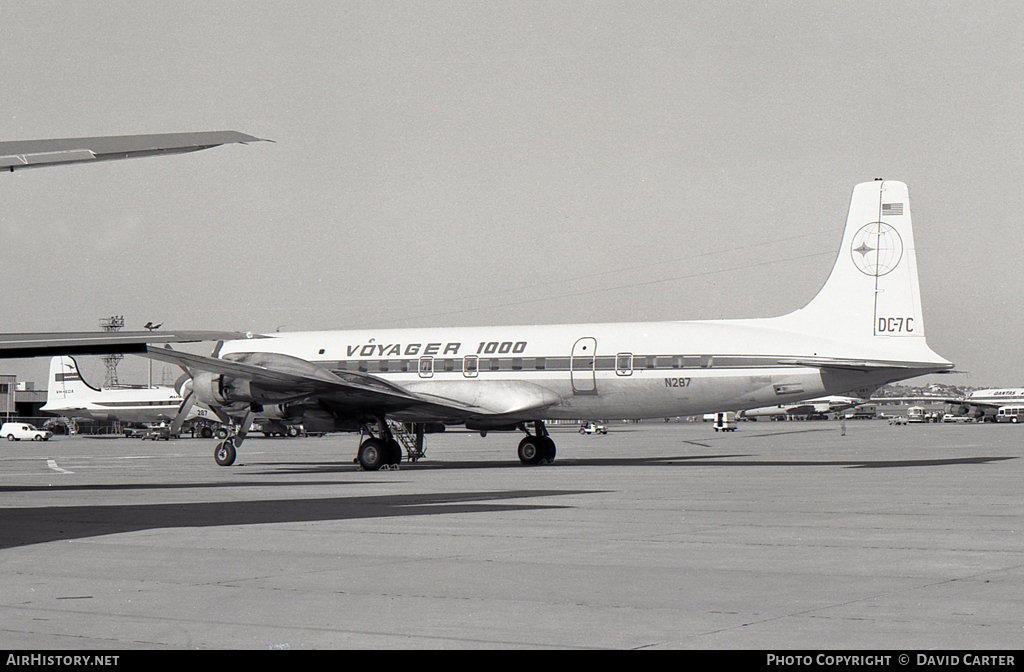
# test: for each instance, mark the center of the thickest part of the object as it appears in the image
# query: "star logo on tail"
(876, 249)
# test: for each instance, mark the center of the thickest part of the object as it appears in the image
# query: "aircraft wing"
(16, 346)
(275, 378)
(300, 377)
(19, 154)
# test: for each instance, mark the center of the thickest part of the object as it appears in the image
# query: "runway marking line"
(52, 464)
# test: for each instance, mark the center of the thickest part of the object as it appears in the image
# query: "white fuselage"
(997, 397)
(627, 370)
(152, 404)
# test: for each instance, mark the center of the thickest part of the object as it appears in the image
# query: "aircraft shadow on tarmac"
(24, 526)
(128, 487)
(724, 460)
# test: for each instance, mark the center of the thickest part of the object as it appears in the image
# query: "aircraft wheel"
(373, 454)
(549, 448)
(225, 454)
(206, 432)
(531, 450)
(394, 452)
(222, 433)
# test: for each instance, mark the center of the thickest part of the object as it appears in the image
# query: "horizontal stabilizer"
(854, 364)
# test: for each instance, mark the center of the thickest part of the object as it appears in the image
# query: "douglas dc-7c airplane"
(862, 330)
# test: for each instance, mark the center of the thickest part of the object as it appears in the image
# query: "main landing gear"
(381, 451)
(376, 454)
(536, 448)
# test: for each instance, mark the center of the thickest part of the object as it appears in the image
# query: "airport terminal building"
(20, 399)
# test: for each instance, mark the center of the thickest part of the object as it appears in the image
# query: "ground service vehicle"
(1012, 414)
(725, 422)
(157, 434)
(16, 431)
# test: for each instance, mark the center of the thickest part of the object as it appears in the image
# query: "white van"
(16, 431)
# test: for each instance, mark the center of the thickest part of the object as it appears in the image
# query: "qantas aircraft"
(985, 404)
(982, 405)
(862, 330)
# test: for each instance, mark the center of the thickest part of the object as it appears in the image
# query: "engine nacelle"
(214, 389)
(217, 389)
(282, 412)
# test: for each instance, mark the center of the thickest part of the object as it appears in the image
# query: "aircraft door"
(582, 366)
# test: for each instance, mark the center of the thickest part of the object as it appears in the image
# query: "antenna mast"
(111, 324)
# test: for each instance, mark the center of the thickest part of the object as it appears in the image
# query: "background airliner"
(986, 403)
(982, 405)
(804, 409)
(69, 395)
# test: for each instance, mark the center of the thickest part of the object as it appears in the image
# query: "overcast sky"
(476, 163)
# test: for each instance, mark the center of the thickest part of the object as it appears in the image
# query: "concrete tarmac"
(781, 535)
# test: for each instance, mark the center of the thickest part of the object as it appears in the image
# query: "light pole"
(149, 326)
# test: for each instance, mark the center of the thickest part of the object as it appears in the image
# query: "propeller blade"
(183, 411)
(180, 385)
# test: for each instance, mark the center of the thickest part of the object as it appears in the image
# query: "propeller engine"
(215, 389)
(221, 389)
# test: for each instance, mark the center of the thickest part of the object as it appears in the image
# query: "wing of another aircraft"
(17, 346)
(19, 154)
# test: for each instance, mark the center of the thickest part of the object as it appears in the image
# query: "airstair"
(410, 437)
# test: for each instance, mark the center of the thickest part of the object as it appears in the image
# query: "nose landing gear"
(224, 454)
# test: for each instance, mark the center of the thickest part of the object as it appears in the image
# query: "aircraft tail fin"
(66, 383)
(872, 292)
